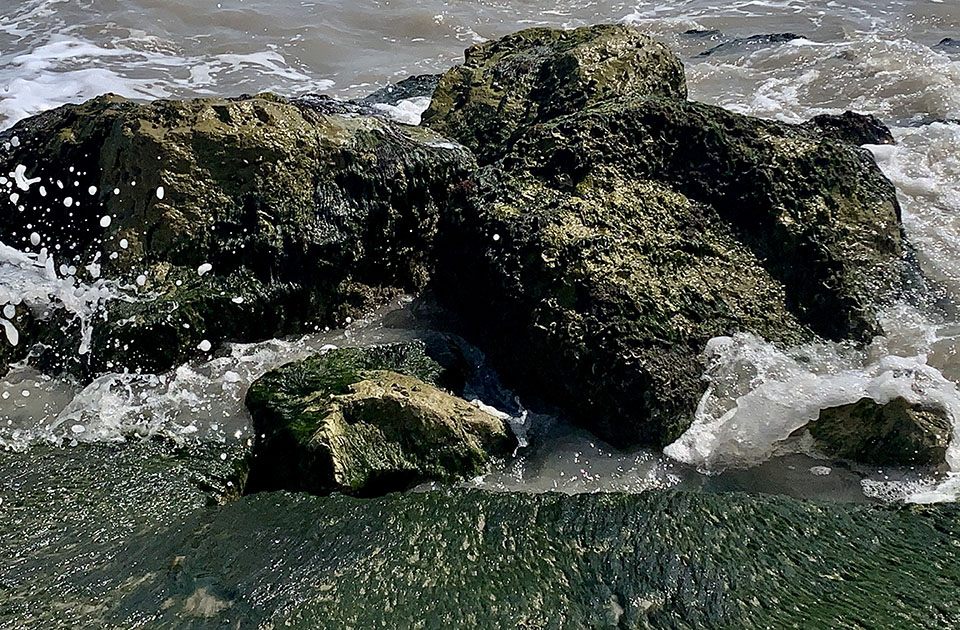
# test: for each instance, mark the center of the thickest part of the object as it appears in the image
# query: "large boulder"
(897, 433)
(226, 218)
(609, 245)
(365, 422)
(508, 84)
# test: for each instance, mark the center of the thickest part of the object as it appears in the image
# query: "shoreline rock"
(295, 217)
(130, 551)
(538, 74)
(608, 244)
(366, 421)
(896, 433)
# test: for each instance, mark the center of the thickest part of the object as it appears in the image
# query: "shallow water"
(880, 58)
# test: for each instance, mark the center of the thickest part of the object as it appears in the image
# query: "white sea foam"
(407, 111)
(67, 68)
(31, 279)
(758, 395)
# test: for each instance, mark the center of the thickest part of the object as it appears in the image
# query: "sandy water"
(882, 58)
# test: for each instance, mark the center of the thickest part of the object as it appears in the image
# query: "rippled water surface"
(884, 58)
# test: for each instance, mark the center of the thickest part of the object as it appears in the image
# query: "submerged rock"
(232, 219)
(852, 127)
(610, 244)
(749, 44)
(366, 421)
(948, 44)
(418, 86)
(897, 433)
(508, 84)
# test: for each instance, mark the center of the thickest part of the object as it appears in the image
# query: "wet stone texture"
(366, 421)
(473, 559)
(896, 433)
(610, 242)
(234, 219)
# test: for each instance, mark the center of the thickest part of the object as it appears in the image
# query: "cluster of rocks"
(589, 226)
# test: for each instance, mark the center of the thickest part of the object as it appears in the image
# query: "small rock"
(749, 44)
(897, 433)
(851, 127)
(350, 421)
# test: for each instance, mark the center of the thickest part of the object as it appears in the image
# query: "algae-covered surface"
(134, 536)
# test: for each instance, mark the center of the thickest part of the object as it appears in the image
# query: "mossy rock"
(317, 214)
(366, 421)
(537, 74)
(607, 246)
(896, 433)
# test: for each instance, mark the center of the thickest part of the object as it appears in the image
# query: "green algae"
(366, 421)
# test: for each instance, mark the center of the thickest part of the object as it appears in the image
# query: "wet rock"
(743, 45)
(699, 33)
(652, 561)
(851, 127)
(897, 433)
(606, 246)
(229, 219)
(366, 422)
(538, 74)
(948, 44)
(71, 511)
(134, 534)
(610, 245)
(418, 86)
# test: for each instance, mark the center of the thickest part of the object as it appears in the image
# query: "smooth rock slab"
(124, 536)
(484, 560)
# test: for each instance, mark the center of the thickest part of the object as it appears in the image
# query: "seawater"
(881, 58)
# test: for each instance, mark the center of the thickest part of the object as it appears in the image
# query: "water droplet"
(105, 220)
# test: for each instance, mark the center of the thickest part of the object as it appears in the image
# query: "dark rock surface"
(749, 44)
(608, 245)
(948, 44)
(532, 76)
(418, 86)
(896, 433)
(131, 552)
(851, 127)
(305, 215)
